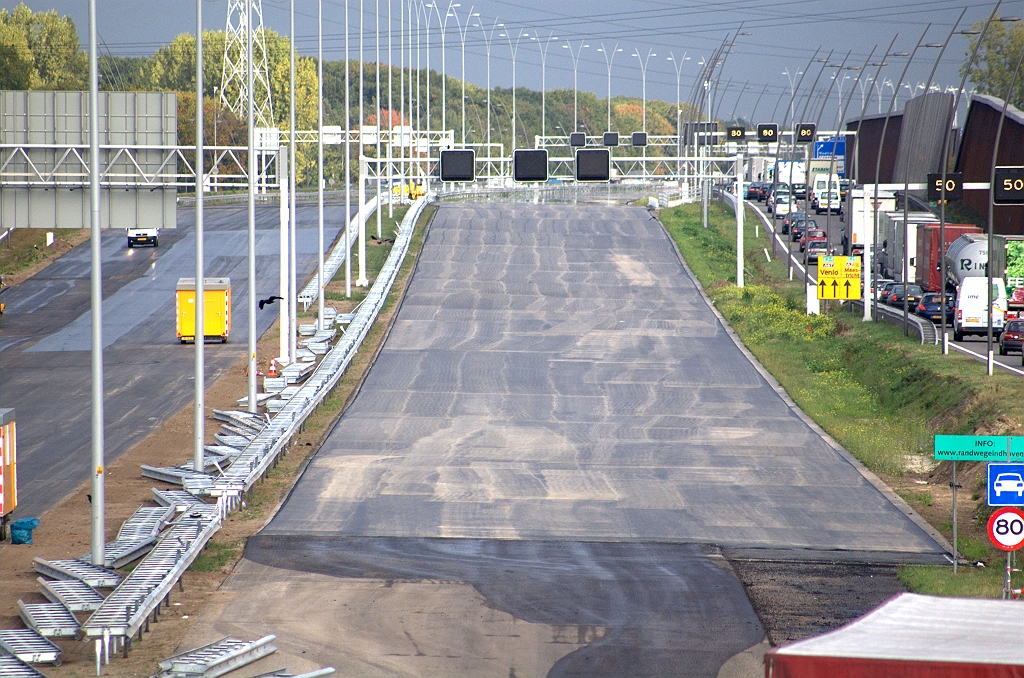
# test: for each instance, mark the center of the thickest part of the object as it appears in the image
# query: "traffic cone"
(273, 367)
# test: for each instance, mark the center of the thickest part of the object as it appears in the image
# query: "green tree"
(998, 56)
(59, 63)
(17, 67)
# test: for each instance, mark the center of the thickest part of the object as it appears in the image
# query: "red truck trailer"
(929, 254)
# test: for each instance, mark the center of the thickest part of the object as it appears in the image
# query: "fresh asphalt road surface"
(45, 340)
(559, 420)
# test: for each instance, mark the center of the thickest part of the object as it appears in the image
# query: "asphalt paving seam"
(868, 475)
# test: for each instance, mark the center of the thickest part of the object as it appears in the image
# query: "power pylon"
(234, 90)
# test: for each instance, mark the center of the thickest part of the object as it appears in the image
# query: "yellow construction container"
(8, 467)
(216, 308)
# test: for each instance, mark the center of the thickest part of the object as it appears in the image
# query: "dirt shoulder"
(64, 531)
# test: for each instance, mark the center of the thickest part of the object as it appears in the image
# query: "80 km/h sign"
(1006, 528)
(839, 277)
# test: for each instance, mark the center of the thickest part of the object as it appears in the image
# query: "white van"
(820, 198)
(971, 302)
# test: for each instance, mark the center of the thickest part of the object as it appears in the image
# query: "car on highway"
(810, 235)
(1012, 338)
(828, 201)
(753, 191)
(797, 230)
(1008, 482)
(912, 292)
(815, 249)
(780, 204)
(931, 307)
(800, 191)
(879, 283)
(883, 296)
(790, 218)
(763, 188)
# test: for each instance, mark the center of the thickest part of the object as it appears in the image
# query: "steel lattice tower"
(233, 85)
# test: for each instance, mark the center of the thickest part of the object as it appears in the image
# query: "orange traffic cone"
(273, 367)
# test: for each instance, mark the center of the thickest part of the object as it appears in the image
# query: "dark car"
(797, 229)
(790, 218)
(883, 296)
(752, 190)
(762, 190)
(800, 191)
(913, 294)
(1012, 338)
(814, 249)
(931, 307)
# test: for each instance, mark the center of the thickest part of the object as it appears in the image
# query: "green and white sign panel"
(979, 448)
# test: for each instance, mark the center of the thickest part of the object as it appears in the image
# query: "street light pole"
(643, 89)
(199, 376)
(543, 47)
(348, 162)
(608, 59)
(463, 30)
(942, 196)
(575, 56)
(321, 283)
(677, 65)
(906, 188)
(514, 49)
(99, 539)
(488, 37)
(251, 395)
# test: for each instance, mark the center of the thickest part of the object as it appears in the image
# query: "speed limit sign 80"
(1006, 528)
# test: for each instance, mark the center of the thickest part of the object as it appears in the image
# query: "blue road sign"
(824, 149)
(1006, 484)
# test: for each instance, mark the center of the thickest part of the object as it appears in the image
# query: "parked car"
(931, 307)
(1012, 338)
(912, 292)
(815, 249)
(790, 218)
(810, 235)
(800, 191)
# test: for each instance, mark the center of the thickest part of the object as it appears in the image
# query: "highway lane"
(560, 421)
(45, 340)
(974, 346)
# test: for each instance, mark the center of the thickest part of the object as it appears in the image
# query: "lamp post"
(543, 46)
(643, 81)
(199, 408)
(643, 90)
(321, 283)
(609, 57)
(906, 190)
(348, 162)
(514, 49)
(991, 206)
(677, 66)
(98, 517)
(488, 37)
(881, 143)
(575, 56)
(942, 197)
(251, 402)
(463, 29)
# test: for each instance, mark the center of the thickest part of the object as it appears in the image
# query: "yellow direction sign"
(839, 277)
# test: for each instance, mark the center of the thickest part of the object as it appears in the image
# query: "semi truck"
(927, 269)
(860, 218)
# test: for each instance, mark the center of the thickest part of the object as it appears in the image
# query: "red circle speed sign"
(1006, 528)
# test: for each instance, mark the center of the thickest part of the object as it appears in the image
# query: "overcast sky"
(783, 37)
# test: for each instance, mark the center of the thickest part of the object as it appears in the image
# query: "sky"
(755, 80)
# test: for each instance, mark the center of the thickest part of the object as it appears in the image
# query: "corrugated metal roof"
(913, 627)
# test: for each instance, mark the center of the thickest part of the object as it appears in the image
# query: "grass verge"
(880, 395)
(25, 252)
